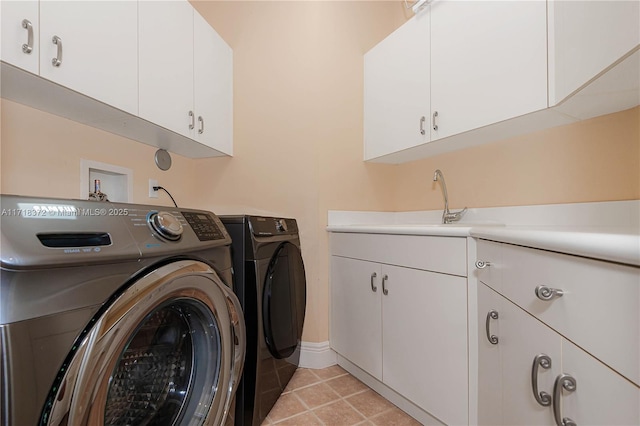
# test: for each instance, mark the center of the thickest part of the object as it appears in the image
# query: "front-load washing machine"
(116, 314)
(271, 285)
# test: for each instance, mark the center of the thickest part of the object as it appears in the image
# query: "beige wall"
(41, 156)
(298, 140)
(593, 160)
(298, 121)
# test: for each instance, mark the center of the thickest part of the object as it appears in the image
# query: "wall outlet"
(152, 193)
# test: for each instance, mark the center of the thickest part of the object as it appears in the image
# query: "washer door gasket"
(169, 350)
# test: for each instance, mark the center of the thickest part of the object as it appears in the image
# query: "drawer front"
(430, 253)
(488, 264)
(599, 307)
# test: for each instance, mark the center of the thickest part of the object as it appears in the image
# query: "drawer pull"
(481, 264)
(543, 361)
(568, 383)
(492, 338)
(385, 291)
(547, 293)
(374, 288)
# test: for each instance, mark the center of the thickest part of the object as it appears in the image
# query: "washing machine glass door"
(284, 301)
(168, 350)
(174, 354)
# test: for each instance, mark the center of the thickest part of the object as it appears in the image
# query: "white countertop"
(409, 229)
(572, 229)
(615, 245)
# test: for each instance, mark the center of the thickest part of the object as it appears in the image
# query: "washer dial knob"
(166, 225)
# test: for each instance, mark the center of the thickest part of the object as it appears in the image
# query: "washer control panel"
(204, 226)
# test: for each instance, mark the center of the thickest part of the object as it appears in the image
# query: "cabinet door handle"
(492, 338)
(374, 288)
(546, 293)
(385, 291)
(28, 47)
(423, 119)
(543, 361)
(192, 122)
(433, 120)
(57, 61)
(568, 383)
(200, 125)
(481, 264)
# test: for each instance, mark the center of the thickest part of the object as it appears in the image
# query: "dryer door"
(284, 301)
(168, 350)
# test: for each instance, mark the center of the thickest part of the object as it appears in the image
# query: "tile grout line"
(308, 410)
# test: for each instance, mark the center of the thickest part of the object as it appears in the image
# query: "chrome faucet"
(447, 216)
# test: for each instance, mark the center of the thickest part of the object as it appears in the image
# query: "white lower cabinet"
(424, 340)
(356, 320)
(512, 339)
(406, 327)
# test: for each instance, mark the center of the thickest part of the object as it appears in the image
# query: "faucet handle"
(454, 216)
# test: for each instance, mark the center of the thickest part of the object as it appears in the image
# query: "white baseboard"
(317, 355)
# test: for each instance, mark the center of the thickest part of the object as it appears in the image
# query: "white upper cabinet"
(96, 49)
(20, 34)
(166, 64)
(396, 90)
(149, 70)
(213, 87)
(585, 38)
(492, 70)
(186, 74)
(488, 62)
(594, 56)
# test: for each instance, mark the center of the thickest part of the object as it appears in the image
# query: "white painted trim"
(317, 355)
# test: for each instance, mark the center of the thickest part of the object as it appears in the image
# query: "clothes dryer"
(270, 282)
(116, 314)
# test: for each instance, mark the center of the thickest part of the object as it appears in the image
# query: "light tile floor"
(333, 397)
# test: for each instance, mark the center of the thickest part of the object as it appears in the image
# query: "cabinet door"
(488, 62)
(586, 37)
(522, 338)
(396, 90)
(489, 362)
(213, 90)
(98, 47)
(602, 397)
(599, 309)
(424, 335)
(14, 35)
(356, 313)
(166, 64)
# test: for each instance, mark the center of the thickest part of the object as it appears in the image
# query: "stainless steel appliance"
(116, 314)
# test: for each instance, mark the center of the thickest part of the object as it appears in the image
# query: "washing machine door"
(168, 350)
(284, 301)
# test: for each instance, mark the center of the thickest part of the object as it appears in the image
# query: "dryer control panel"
(271, 226)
